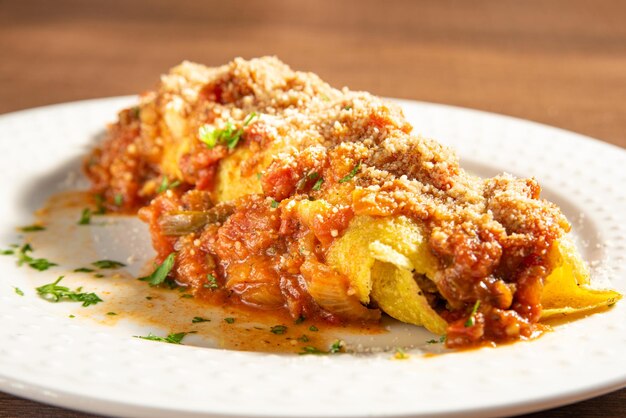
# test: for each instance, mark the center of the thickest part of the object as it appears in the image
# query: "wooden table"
(562, 63)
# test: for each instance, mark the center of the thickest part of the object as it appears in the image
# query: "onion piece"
(330, 290)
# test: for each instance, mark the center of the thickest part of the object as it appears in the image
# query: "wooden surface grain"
(562, 63)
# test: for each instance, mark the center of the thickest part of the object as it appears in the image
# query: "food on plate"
(267, 187)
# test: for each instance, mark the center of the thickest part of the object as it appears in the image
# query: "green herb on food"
(83, 270)
(308, 349)
(229, 320)
(100, 208)
(472, 320)
(166, 185)
(18, 291)
(274, 204)
(85, 217)
(118, 199)
(313, 328)
(229, 135)
(336, 347)
(351, 174)
(278, 329)
(111, 313)
(159, 275)
(211, 282)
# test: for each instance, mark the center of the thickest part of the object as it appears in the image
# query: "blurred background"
(559, 62)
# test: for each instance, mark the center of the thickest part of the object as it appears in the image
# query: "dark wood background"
(561, 63)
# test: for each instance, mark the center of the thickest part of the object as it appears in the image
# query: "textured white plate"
(46, 356)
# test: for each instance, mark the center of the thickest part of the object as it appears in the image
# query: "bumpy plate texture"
(44, 355)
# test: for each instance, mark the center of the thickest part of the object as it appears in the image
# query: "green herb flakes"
(159, 275)
(472, 320)
(274, 204)
(118, 199)
(108, 264)
(18, 291)
(85, 217)
(278, 329)
(166, 185)
(308, 349)
(199, 319)
(39, 264)
(52, 292)
(32, 228)
(351, 174)
(313, 328)
(211, 282)
(336, 347)
(229, 135)
(173, 338)
(230, 320)
(83, 270)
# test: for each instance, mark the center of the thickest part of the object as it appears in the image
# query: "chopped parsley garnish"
(318, 184)
(98, 276)
(111, 313)
(351, 174)
(118, 199)
(442, 339)
(159, 275)
(303, 339)
(186, 296)
(32, 228)
(313, 176)
(108, 264)
(83, 270)
(40, 264)
(336, 347)
(229, 135)
(198, 319)
(100, 209)
(85, 217)
(299, 320)
(313, 328)
(229, 320)
(347, 107)
(278, 329)
(173, 338)
(72, 316)
(471, 320)
(274, 204)
(7, 252)
(211, 282)
(52, 292)
(308, 349)
(400, 354)
(166, 185)
(18, 291)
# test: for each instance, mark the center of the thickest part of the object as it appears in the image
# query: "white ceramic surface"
(45, 355)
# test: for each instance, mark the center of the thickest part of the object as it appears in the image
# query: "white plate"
(81, 364)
